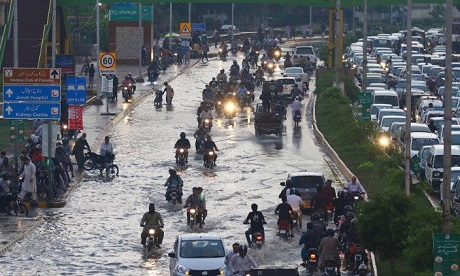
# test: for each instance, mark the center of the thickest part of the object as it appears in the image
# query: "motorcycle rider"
(174, 182)
(318, 203)
(132, 81)
(207, 94)
(329, 246)
(152, 219)
(318, 225)
(295, 201)
(259, 72)
(253, 56)
(235, 69)
(296, 106)
(193, 201)
(296, 92)
(182, 143)
(5, 195)
(355, 186)
(224, 48)
(339, 205)
(256, 220)
(266, 98)
(242, 262)
(246, 45)
(199, 110)
(242, 91)
(222, 77)
(235, 250)
(209, 145)
(284, 210)
(128, 83)
(206, 114)
(200, 136)
(213, 85)
(309, 239)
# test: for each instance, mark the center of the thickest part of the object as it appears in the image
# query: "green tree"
(438, 12)
(384, 224)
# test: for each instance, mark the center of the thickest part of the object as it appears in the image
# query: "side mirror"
(172, 255)
(428, 165)
(283, 183)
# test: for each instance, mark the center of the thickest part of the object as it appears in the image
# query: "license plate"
(282, 231)
(312, 260)
(258, 242)
(306, 204)
(204, 273)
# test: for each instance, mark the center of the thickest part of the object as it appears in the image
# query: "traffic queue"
(386, 81)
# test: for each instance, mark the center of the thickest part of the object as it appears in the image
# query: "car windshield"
(425, 153)
(304, 51)
(309, 181)
(386, 122)
(439, 161)
(418, 143)
(376, 108)
(294, 70)
(202, 249)
(287, 81)
(393, 100)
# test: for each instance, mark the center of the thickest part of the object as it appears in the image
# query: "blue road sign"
(76, 90)
(198, 26)
(31, 110)
(32, 93)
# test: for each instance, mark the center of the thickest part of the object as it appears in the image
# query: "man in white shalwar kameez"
(29, 185)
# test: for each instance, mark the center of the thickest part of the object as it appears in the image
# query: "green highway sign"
(130, 13)
(445, 252)
(364, 106)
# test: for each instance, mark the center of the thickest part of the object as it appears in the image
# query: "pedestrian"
(188, 49)
(64, 159)
(29, 184)
(235, 250)
(169, 93)
(91, 73)
(205, 49)
(216, 37)
(80, 145)
(115, 87)
(287, 30)
(144, 54)
(86, 62)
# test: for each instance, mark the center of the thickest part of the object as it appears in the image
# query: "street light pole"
(141, 44)
(407, 149)
(364, 80)
(15, 35)
(170, 18)
(233, 12)
(446, 203)
(98, 49)
(190, 13)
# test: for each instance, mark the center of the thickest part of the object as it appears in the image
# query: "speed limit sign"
(107, 63)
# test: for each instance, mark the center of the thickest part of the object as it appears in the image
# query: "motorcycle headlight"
(151, 231)
(219, 103)
(175, 54)
(220, 50)
(437, 174)
(192, 211)
(206, 121)
(183, 269)
(230, 107)
(270, 66)
(181, 150)
(211, 153)
(64, 126)
(277, 53)
(249, 93)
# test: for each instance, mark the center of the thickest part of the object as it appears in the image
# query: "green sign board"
(130, 13)
(445, 252)
(17, 131)
(364, 106)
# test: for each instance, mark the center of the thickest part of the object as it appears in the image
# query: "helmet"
(297, 98)
(350, 215)
(293, 191)
(330, 232)
(151, 207)
(235, 63)
(165, 83)
(347, 209)
(243, 250)
(296, 85)
(223, 70)
(315, 216)
(182, 135)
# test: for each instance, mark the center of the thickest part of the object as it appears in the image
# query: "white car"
(197, 254)
(297, 73)
(288, 84)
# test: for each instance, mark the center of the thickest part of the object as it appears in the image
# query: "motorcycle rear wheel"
(88, 164)
(112, 170)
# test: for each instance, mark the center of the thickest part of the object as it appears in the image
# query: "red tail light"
(313, 256)
(259, 238)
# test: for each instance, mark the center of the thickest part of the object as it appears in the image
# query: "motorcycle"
(222, 54)
(207, 125)
(158, 102)
(277, 55)
(174, 196)
(180, 160)
(151, 238)
(208, 159)
(296, 222)
(258, 239)
(258, 80)
(305, 88)
(219, 108)
(330, 265)
(312, 261)
(234, 50)
(177, 59)
(153, 76)
(230, 110)
(284, 231)
(297, 118)
(356, 257)
(355, 197)
(127, 92)
(11, 202)
(195, 217)
(270, 68)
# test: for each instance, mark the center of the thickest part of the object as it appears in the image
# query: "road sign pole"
(16, 154)
(98, 50)
(15, 34)
(140, 46)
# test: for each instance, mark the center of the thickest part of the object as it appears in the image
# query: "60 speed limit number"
(107, 62)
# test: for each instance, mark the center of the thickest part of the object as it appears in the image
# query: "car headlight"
(222, 270)
(183, 269)
(384, 141)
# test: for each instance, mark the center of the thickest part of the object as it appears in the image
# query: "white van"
(420, 139)
(375, 109)
(435, 164)
(386, 97)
